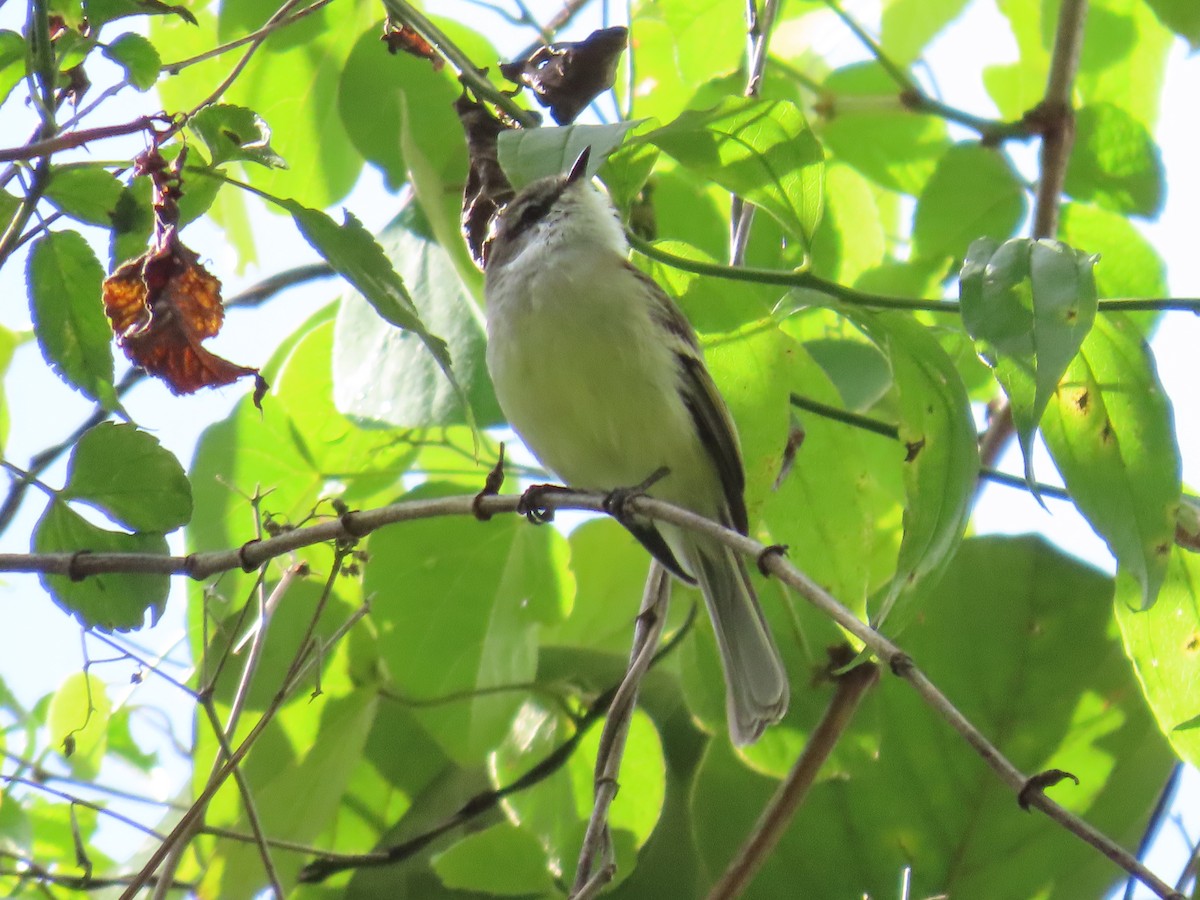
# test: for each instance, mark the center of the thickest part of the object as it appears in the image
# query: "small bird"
(602, 376)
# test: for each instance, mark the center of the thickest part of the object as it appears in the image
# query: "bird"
(602, 376)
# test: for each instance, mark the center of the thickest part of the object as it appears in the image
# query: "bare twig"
(301, 662)
(1057, 125)
(275, 23)
(777, 815)
(74, 139)
(596, 866)
(759, 23)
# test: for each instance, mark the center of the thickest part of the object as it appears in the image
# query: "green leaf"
(869, 130)
(762, 150)
(234, 132)
(1028, 305)
(1128, 264)
(972, 193)
(381, 374)
(558, 809)
(64, 279)
(1161, 643)
(506, 579)
(1115, 162)
(1111, 433)
(527, 154)
(852, 235)
(130, 476)
(909, 25)
(503, 861)
(293, 79)
(848, 483)
(121, 743)
(138, 57)
(357, 257)
(941, 457)
(101, 11)
(679, 44)
(78, 723)
(1123, 59)
(377, 90)
(12, 62)
(85, 192)
(1181, 16)
(110, 602)
(1058, 693)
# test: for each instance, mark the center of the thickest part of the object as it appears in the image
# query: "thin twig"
(278, 19)
(273, 24)
(781, 808)
(1058, 136)
(596, 866)
(73, 139)
(759, 23)
(301, 662)
(892, 432)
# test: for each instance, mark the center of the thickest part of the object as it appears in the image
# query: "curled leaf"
(162, 305)
(487, 188)
(567, 76)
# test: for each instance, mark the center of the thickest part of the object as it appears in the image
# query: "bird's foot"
(532, 505)
(616, 503)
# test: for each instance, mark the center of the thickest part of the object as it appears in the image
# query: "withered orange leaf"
(406, 38)
(162, 305)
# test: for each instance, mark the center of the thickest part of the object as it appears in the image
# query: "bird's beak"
(579, 168)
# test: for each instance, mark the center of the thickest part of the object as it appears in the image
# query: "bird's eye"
(531, 213)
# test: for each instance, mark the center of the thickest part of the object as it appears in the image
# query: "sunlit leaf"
(1110, 431)
(938, 445)
(531, 153)
(762, 150)
(1115, 162)
(110, 602)
(88, 193)
(138, 57)
(503, 861)
(972, 193)
(1059, 693)
(235, 133)
(1162, 643)
(129, 475)
(505, 581)
(64, 279)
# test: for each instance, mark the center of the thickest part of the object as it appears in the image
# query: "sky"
(45, 647)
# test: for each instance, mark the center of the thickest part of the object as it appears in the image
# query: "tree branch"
(852, 686)
(596, 864)
(74, 139)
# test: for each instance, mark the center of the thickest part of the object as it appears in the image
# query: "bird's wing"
(704, 402)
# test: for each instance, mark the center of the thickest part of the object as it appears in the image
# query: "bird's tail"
(756, 683)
